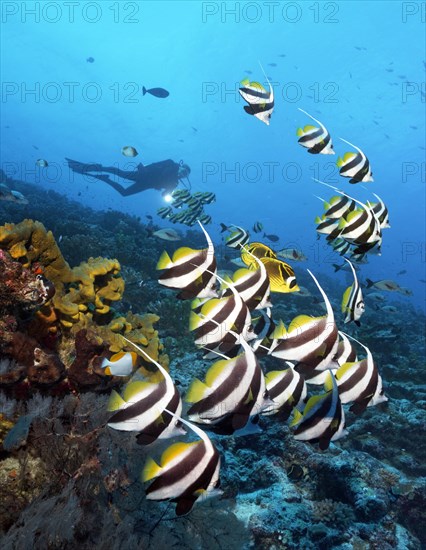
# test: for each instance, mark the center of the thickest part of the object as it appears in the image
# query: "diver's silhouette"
(164, 175)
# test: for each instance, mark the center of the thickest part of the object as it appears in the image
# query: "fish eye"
(293, 283)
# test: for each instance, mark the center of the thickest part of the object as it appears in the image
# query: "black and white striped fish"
(287, 389)
(380, 211)
(338, 206)
(252, 285)
(188, 472)
(260, 102)
(328, 226)
(207, 197)
(359, 227)
(346, 353)
(233, 393)
(323, 418)
(342, 247)
(237, 238)
(360, 383)
(355, 165)
(165, 211)
(193, 272)
(311, 342)
(316, 140)
(216, 323)
(141, 409)
(353, 305)
(263, 326)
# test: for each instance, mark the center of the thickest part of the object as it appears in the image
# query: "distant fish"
(376, 296)
(272, 64)
(120, 364)
(257, 227)
(187, 472)
(238, 236)
(273, 238)
(167, 235)
(180, 196)
(384, 284)
(387, 308)
(164, 212)
(207, 197)
(355, 166)
(205, 219)
(42, 163)
(405, 291)
(316, 140)
(353, 305)
(90, 60)
(129, 151)
(157, 92)
(323, 418)
(11, 195)
(248, 72)
(344, 267)
(291, 254)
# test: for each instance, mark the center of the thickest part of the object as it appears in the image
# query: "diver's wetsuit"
(161, 175)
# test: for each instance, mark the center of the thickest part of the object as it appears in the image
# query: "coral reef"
(68, 329)
(58, 459)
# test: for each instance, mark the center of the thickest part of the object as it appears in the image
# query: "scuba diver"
(164, 175)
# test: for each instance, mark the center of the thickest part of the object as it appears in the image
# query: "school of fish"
(231, 321)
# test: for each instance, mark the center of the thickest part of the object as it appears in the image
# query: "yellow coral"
(29, 241)
(83, 294)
